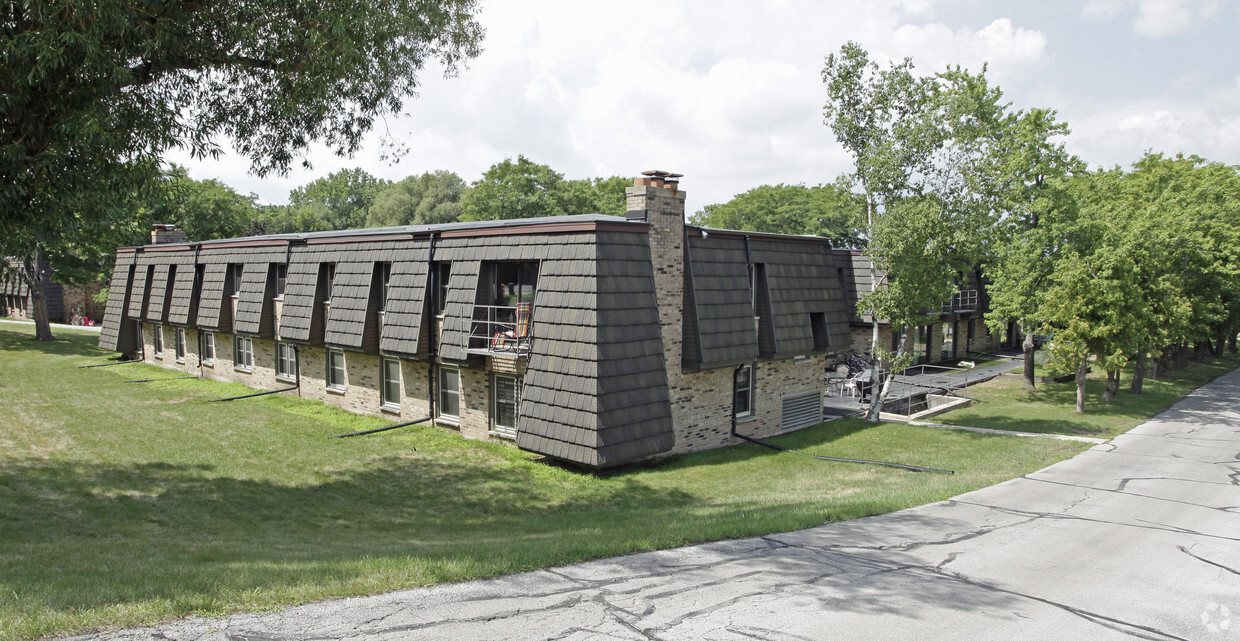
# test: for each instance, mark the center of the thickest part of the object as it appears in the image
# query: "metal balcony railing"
(964, 300)
(502, 331)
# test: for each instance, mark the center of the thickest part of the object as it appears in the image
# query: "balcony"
(964, 301)
(501, 331)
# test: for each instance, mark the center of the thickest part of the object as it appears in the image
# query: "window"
(818, 330)
(180, 347)
(385, 278)
(921, 343)
(286, 361)
(947, 349)
(513, 283)
(742, 395)
(505, 399)
(159, 340)
(281, 279)
(449, 393)
(442, 272)
(208, 348)
(243, 353)
(327, 275)
(335, 370)
(390, 373)
(232, 281)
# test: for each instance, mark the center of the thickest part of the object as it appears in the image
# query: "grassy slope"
(128, 504)
(1051, 409)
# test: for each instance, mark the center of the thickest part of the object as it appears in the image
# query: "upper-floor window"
(385, 280)
(281, 280)
(232, 279)
(514, 283)
(327, 275)
(442, 272)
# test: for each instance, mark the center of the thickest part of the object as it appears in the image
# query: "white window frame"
(243, 353)
(334, 383)
(286, 361)
(507, 431)
(389, 402)
(440, 392)
(747, 390)
(208, 348)
(180, 346)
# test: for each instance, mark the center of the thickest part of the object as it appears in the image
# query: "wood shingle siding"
(118, 333)
(140, 288)
(596, 387)
(459, 305)
(254, 301)
(182, 307)
(718, 275)
(301, 319)
(404, 322)
(211, 302)
(800, 283)
(159, 289)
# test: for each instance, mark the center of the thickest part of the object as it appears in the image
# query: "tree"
(204, 209)
(93, 93)
(341, 199)
(831, 211)
(918, 241)
(521, 189)
(526, 189)
(428, 199)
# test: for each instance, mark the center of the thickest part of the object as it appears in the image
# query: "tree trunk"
(1112, 387)
(1220, 343)
(1029, 380)
(1181, 356)
(878, 393)
(1081, 371)
(33, 275)
(1231, 341)
(1138, 371)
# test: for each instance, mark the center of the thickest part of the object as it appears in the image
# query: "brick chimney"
(162, 233)
(655, 198)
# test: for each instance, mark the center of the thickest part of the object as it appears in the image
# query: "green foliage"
(204, 209)
(340, 200)
(526, 189)
(428, 199)
(831, 211)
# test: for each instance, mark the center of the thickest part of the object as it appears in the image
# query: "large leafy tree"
(340, 200)
(526, 189)
(93, 93)
(914, 140)
(831, 211)
(428, 199)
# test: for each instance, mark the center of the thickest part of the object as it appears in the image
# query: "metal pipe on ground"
(135, 360)
(233, 398)
(382, 429)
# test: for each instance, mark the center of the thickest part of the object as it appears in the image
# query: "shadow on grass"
(18, 339)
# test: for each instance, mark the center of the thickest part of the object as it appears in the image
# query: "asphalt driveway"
(1135, 538)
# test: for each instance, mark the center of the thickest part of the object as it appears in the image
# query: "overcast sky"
(730, 93)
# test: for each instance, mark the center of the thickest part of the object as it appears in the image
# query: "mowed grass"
(1051, 408)
(126, 504)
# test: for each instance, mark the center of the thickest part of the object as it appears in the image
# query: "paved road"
(1136, 538)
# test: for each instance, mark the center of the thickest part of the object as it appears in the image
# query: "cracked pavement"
(1135, 538)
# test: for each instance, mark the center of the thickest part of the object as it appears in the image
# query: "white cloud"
(1155, 18)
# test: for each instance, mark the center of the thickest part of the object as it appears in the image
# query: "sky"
(730, 93)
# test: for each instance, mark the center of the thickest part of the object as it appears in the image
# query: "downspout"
(297, 369)
(431, 348)
(198, 248)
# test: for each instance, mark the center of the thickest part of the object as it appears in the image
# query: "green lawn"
(1051, 408)
(127, 504)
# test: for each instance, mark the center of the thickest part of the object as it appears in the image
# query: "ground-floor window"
(335, 370)
(243, 353)
(180, 347)
(390, 388)
(947, 350)
(159, 340)
(505, 401)
(208, 348)
(742, 395)
(286, 361)
(449, 401)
